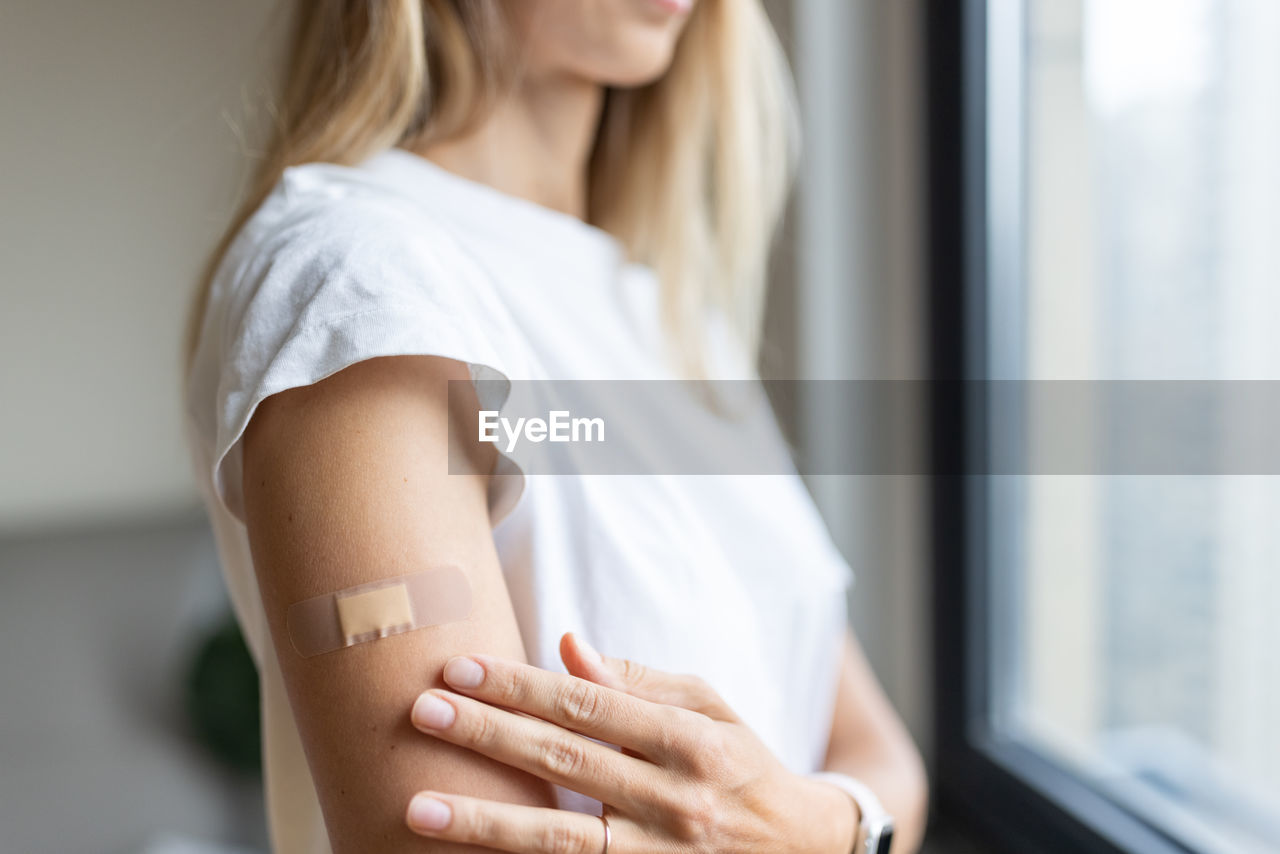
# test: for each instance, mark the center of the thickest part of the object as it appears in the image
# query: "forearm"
(900, 784)
(869, 742)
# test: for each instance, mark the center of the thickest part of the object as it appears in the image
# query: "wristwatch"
(875, 827)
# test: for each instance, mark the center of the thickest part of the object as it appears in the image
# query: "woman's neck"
(535, 144)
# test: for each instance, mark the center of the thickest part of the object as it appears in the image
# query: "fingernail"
(433, 713)
(427, 813)
(463, 673)
(589, 652)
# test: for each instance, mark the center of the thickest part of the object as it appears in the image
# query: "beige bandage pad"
(378, 609)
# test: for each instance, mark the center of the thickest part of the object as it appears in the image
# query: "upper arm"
(347, 481)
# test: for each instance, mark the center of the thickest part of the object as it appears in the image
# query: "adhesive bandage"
(378, 609)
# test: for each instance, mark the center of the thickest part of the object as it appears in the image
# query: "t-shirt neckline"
(479, 206)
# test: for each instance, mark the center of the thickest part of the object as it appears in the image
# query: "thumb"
(583, 661)
(656, 686)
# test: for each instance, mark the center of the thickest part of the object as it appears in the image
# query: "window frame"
(1018, 799)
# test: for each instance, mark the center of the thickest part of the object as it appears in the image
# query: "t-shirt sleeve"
(333, 283)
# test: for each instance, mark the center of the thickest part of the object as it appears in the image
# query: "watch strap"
(875, 825)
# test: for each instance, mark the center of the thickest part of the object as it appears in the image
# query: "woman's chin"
(635, 71)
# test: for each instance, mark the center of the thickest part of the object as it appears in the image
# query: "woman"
(550, 190)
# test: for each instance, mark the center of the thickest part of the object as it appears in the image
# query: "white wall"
(117, 171)
(859, 252)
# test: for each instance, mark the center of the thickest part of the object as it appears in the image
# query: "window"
(1106, 209)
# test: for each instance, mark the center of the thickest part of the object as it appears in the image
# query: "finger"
(508, 827)
(656, 686)
(540, 748)
(582, 660)
(567, 701)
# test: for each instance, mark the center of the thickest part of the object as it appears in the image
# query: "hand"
(691, 777)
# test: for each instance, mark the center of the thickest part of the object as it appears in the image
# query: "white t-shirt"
(732, 577)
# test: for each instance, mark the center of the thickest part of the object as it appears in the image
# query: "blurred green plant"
(222, 699)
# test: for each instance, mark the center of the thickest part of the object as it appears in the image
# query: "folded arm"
(870, 742)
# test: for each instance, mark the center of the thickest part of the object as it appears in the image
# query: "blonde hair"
(690, 172)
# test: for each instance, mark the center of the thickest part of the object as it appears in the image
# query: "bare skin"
(870, 742)
(346, 481)
(691, 776)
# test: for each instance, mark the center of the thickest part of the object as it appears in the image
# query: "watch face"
(880, 840)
